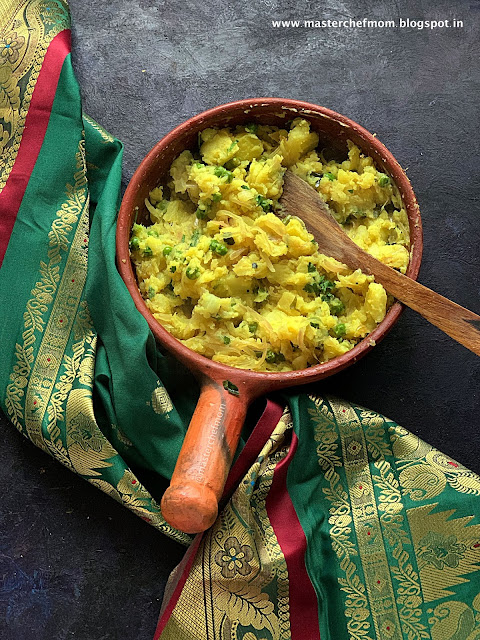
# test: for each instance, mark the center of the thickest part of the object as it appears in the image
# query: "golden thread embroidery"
(390, 507)
(161, 402)
(238, 564)
(447, 549)
(425, 471)
(408, 593)
(30, 27)
(106, 137)
(366, 521)
(357, 611)
(65, 304)
(40, 373)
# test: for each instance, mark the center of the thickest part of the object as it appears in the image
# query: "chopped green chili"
(339, 330)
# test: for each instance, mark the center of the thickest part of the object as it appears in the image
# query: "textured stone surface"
(73, 563)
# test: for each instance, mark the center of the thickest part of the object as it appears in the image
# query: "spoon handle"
(299, 198)
(459, 323)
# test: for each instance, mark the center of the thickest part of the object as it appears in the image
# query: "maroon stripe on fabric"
(184, 570)
(259, 436)
(36, 124)
(292, 541)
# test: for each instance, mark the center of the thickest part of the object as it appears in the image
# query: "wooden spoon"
(300, 199)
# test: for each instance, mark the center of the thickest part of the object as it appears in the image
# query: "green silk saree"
(335, 523)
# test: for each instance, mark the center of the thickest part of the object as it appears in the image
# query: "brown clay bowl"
(190, 503)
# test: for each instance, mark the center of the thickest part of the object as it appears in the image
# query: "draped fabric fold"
(336, 522)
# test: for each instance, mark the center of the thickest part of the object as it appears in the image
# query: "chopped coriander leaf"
(147, 252)
(350, 190)
(173, 268)
(245, 186)
(217, 197)
(167, 250)
(218, 247)
(232, 146)
(336, 306)
(226, 340)
(264, 203)
(315, 325)
(151, 292)
(231, 388)
(252, 327)
(201, 213)
(339, 330)
(258, 354)
(287, 219)
(252, 127)
(311, 268)
(229, 240)
(221, 172)
(169, 286)
(319, 285)
(330, 176)
(192, 273)
(383, 180)
(134, 244)
(183, 238)
(273, 357)
(195, 236)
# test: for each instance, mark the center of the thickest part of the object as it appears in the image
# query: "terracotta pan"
(191, 502)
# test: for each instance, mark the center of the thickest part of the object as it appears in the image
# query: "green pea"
(226, 340)
(218, 247)
(147, 252)
(134, 244)
(167, 250)
(383, 180)
(192, 273)
(252, 327)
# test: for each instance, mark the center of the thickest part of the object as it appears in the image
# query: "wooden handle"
(459, 323)
(190, 503)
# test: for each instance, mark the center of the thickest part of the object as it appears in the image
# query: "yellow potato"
(238, 284)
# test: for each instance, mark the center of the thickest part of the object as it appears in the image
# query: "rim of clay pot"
(257, 381)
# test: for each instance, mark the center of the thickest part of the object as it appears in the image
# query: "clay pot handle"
(190, 503)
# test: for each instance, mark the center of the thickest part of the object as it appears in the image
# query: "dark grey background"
(73, 564)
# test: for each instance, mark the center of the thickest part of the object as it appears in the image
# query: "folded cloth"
(335, 521)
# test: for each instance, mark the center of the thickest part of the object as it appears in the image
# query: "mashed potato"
(234, 282)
